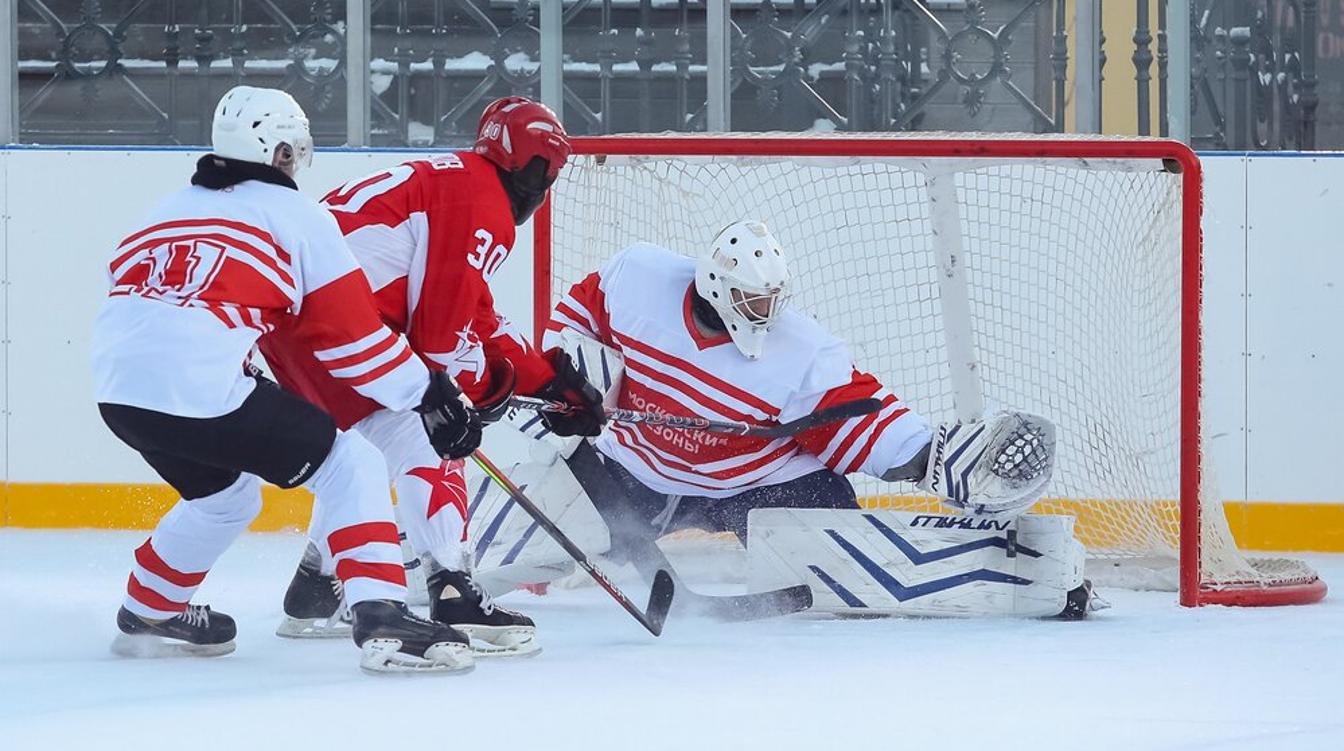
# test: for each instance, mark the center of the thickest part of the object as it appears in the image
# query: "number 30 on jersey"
(484, 257)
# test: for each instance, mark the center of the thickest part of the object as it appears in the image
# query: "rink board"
(1269, 379)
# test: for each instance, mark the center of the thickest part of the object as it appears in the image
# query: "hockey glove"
(493, 405)
(586, 414)
(453, 427)
(998, 466)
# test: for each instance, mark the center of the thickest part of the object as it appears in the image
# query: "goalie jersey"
(639, 303)
(213, 270)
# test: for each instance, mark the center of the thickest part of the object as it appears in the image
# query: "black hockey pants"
(273, 434)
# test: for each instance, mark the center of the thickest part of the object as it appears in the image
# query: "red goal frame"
(1181, 158)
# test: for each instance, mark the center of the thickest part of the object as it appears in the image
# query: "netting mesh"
(1074, 282)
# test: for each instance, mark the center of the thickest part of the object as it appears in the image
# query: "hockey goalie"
(669, 336)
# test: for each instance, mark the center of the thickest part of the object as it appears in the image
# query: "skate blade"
(148, 646)
(501, 641)
(313, 628)
(383, 656)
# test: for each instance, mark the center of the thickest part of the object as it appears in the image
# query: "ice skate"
(1081, 602)
(457, 600)
(395, 640)
(314, 605)
(196, 632)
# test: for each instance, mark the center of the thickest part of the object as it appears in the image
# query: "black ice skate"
(1080, 602)
(455, 599)
(395, 640)
(314, 605)
(196, 632)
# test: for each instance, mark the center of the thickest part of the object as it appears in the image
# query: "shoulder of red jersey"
(452, 165)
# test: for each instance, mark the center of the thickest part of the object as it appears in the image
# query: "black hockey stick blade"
(749, 607)
(837, 413)
(660, 602)
(649, 559)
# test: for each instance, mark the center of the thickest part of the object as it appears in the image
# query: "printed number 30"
(484, 258)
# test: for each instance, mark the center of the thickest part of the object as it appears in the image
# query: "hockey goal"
(1058, 275)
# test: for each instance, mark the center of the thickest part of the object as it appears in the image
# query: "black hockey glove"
(494, 405)
(586, 415)
(454, 429)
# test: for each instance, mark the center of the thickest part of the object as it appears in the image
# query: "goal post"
(1054, 274)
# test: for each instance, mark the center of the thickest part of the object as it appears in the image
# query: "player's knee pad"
(884, 562)
(400, 436)
(353, 462)
(236, 505)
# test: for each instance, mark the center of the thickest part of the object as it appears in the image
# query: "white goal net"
(1071, 252)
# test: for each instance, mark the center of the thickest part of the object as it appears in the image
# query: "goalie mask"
(251, 123)
(744, 276)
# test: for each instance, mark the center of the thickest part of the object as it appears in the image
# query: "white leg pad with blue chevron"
(884, 562)
(506, 546)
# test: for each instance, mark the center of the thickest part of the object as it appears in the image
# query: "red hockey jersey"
(429, 235)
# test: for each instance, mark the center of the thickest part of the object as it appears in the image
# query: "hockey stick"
(650, 560)
(660, 595)
(782, 430)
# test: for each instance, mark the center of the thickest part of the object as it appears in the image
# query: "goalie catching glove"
(998, 466)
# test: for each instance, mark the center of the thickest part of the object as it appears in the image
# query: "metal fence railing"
(418, 72)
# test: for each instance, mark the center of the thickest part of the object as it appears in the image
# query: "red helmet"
(515, 129)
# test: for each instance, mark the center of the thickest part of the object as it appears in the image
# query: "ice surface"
(1144, 675)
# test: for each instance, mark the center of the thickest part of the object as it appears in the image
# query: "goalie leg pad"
(883, 562)
(507, 547)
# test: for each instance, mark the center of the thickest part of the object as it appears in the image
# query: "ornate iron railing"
(150, 71)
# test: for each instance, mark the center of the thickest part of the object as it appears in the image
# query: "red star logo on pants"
(448, 487)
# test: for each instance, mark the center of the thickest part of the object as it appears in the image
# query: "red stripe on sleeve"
(873, 438)
(392, 573)
(355, 535)
(381, 370)
(377, 348)
(149, 560)
(151, 599)
(854, 433)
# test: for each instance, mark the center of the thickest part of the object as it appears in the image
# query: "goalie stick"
(650, 560)
(839, 412)
(663, 588)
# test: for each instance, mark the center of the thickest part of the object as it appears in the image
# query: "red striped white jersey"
(210, 272)
(640, 304)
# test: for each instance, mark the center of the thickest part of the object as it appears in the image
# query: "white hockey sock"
(173, 562)
(431, 493)
(353, 523)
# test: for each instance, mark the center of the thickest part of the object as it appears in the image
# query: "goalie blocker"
(884, 562)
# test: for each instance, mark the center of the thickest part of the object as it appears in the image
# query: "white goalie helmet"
(745, 276)
(251, 122)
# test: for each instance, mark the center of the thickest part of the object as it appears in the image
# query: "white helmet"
(745, 276)
(251, 122)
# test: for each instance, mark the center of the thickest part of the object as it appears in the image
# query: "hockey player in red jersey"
(218, 264)
(713, 338)
(429, 235)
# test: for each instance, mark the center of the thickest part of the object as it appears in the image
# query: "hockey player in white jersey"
(215, 266)
(714, 338)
